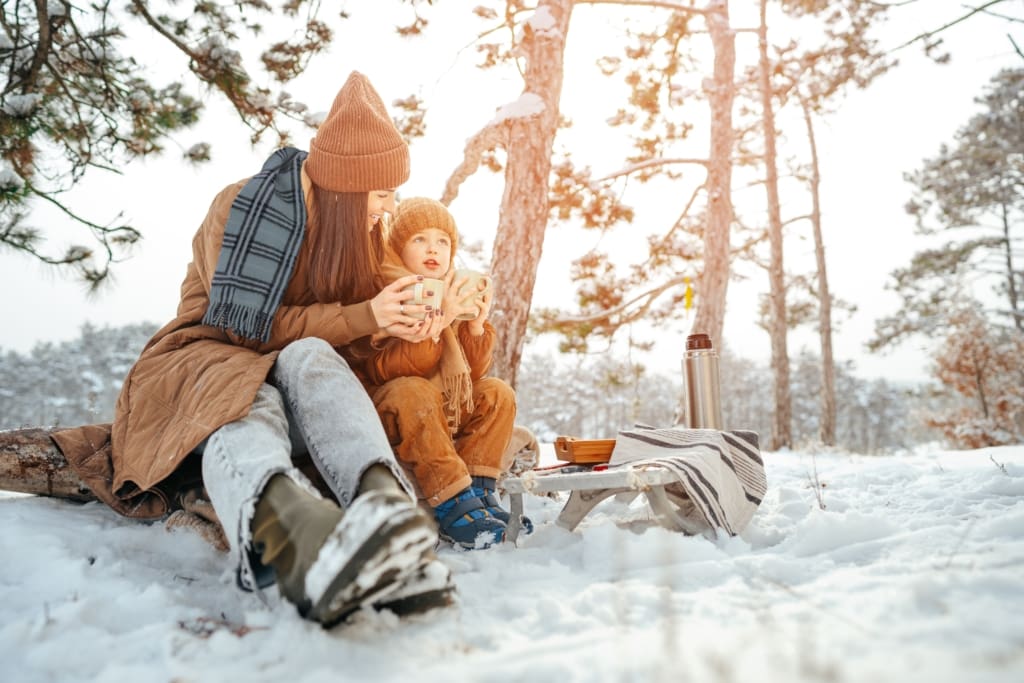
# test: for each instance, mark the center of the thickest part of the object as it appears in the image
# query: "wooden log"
(30, 462)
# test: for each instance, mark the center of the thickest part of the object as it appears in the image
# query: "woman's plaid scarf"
(265, 228)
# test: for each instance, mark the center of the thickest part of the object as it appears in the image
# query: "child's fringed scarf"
(452, 374)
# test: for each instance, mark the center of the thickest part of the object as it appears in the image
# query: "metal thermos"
(702, 405)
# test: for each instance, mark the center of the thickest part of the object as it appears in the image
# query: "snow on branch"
(525, 106)
(491, 136)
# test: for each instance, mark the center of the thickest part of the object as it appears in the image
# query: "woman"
(284, 271)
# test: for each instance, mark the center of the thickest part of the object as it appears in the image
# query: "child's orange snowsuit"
(442, 435)
(446, 422)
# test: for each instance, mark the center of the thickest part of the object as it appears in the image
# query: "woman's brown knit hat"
(416, 214)
(358, 148)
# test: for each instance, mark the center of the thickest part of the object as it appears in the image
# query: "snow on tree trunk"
(714, 281)
(524, 204)
(782, 434)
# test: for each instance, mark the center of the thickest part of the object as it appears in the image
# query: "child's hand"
(452, 307)
(476, 325)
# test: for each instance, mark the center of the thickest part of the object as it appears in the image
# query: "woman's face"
(428, 253)
(380, 202)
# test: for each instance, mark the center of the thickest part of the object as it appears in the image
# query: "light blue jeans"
(312, 403)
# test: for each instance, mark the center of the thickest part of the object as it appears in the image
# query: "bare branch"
(485, 140)
(42, 49)
(648, 3)
(1016, 48)
(928, 34)
(648, 297)
(648, 164)
(143, 11)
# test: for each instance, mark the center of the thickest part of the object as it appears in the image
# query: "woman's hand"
(390, 307)
(396, 317)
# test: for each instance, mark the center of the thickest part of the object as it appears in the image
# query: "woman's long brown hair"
(345, 261)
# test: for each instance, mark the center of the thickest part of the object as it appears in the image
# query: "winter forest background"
(709, 112)
(77, 382)
(821, 185)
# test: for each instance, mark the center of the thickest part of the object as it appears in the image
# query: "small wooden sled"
(589, 485)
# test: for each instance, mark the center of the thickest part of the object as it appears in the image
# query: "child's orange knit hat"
(416, 214)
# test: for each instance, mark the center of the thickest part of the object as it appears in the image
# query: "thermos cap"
(697, 342)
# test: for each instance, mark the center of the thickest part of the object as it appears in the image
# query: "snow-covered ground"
(913, 571)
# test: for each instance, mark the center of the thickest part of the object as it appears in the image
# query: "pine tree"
(970, 192)
(76, 98)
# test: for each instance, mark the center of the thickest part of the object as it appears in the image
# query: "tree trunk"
(714, 281)
(524, 204)
(782, 419)
(827, 427)
(1011, 275)
(30, 462)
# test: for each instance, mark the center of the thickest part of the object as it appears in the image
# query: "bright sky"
(876, 137)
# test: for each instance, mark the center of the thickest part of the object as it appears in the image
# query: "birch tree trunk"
(714, 281)
(827, 420)
(782, 418)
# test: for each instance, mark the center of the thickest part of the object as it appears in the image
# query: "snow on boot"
(429, 587)
(464, 520)
(288, 528)
(383, 537)
(484, 488)
(329, 563)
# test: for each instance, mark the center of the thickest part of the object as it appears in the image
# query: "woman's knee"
(303, 349)
(311, 357)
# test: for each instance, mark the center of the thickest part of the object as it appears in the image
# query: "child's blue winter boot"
(465, 521)
(484, 488)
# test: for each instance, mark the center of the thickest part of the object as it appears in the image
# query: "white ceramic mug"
(476, 286)
(421, 297)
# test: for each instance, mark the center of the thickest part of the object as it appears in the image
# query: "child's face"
(428, 253)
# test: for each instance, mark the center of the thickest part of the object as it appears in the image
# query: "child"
(448, 424)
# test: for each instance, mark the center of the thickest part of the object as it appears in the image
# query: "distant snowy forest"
(77, 382)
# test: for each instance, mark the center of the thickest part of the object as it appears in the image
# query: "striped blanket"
(721, 474)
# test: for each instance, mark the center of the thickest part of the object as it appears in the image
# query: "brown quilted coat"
(192, 378)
